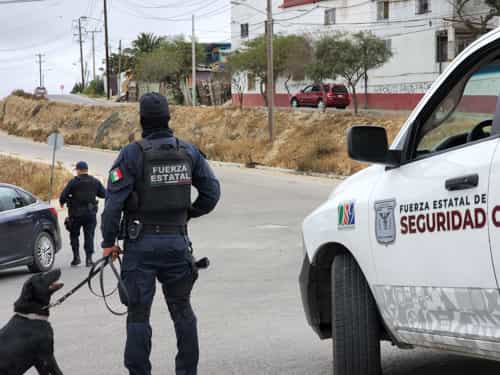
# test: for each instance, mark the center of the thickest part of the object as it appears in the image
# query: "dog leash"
(96, 269)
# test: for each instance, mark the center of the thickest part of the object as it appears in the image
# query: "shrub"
(77, 88)
(22, 94)
(95, 88)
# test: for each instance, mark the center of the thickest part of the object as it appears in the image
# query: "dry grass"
(33, 177)
(307, 141)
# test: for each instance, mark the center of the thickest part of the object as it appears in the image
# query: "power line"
(177, 17)
(20, 1)
(166, 6)
(36, 45)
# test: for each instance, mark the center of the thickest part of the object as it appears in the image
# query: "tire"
(295, 103)
(356, 326)
(321, 105)
(44, 253)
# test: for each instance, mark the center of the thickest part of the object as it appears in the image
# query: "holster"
(68, 223)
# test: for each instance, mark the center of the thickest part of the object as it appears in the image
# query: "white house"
(424, 36)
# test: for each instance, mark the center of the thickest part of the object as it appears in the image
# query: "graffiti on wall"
(402, 88)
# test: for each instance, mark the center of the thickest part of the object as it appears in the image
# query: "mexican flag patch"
(115, 175)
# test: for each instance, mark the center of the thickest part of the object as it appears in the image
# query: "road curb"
(218, 163)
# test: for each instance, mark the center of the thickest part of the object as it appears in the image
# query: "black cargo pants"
(165, 258)
(88, 222)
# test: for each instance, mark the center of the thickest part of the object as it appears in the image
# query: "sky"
(28, 28)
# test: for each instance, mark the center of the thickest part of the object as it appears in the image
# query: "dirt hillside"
(305, 141)
(34, 177)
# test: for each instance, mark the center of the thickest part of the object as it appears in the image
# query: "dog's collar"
(34, 317)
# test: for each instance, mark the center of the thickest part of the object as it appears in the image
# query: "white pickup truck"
(408, 250)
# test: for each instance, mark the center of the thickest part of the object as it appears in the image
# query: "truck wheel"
(356, 328)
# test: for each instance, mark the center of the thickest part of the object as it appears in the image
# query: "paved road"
(250, 316)
(77, 99)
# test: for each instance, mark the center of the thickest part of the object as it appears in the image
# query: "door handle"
(462, 183)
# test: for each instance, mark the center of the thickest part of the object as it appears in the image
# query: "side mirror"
(369, 144)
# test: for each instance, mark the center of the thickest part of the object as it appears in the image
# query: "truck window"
(469, 103)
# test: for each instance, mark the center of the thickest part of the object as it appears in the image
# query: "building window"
(442, 46)
(423, 6)
(244, 30)
(330, 15)
(383, 10)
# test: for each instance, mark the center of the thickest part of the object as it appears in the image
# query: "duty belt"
(164, 229)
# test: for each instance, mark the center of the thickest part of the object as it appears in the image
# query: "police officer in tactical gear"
(150, 183)
(81, 197)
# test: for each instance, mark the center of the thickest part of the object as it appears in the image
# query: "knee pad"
(138, 313)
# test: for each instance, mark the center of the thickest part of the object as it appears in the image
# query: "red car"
(318, 95)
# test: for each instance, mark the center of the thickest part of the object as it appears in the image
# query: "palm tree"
(146, 43)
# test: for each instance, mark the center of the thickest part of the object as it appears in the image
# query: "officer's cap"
(82, 166)
(154, 105)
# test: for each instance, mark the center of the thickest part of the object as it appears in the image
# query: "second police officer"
(81, 194)
(150, 183)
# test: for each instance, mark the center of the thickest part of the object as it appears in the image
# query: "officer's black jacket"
(129, 167)
(67, 194)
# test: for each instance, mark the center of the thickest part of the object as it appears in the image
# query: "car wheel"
(295, 103)
(356, 327)
(321, 105)
(44, 253)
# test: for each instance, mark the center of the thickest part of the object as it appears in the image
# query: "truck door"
(430, 218)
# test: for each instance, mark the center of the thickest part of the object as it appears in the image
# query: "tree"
(145, 43)
(126, 62)
(171, 62)
(374, 53)
(291, 54)
(348, 56)
(476, 22)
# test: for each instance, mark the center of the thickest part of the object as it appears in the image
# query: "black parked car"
(29, 231)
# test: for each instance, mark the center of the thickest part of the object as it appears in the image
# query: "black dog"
(28, 339)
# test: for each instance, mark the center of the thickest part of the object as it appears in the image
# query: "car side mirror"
(369, 144)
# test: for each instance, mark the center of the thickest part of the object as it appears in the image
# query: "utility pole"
(119, 68)
(106, 42)
(40, 62)
(80, 39)
(270, 69)
(193, 52)
(93, 52)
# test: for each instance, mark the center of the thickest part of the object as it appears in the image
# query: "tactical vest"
(164, 191)
(83, 196)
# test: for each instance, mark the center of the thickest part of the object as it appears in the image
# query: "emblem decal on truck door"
(346, 215)
(385, 223)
